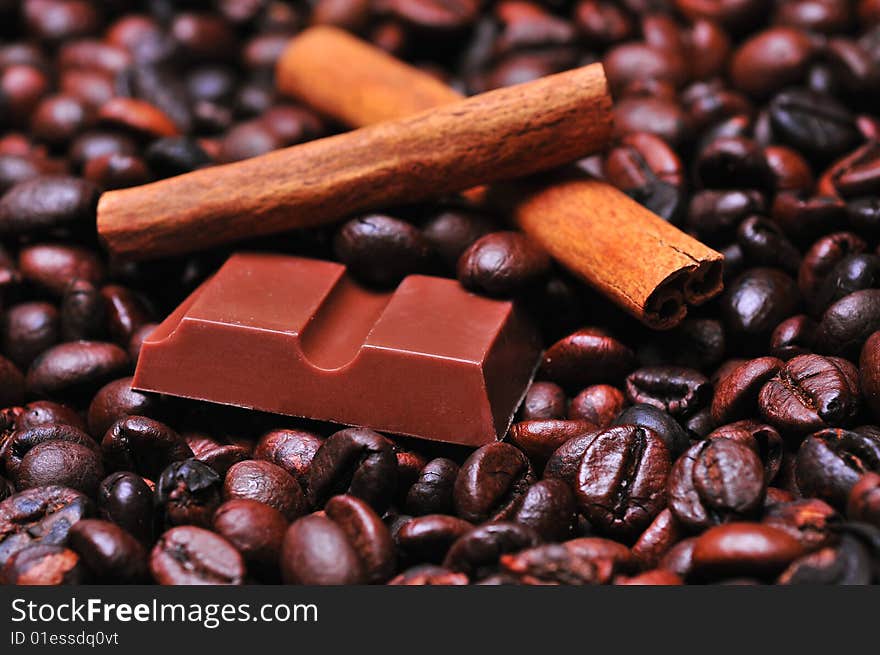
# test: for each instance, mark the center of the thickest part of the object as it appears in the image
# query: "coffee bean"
(756, 301)
(764, 244)
(451, 232)
(813, 123)
(39, 516)
(477, 552)
(657, 539)
(82, 312)
(126, 500)
(61, 463)
(548, 507)
(256, 530)
(809, 393)
(743, 549)
(381, 250)
(267, 483)
(115, 401)
(188, 493)
(540, 438)
(27, 329)
(188, 555)
(599, 404)
(736, 394)
(793, 337)
(110, 553)
(716, 481)
(432, 492)
(864, 500)
(849, 563)
(762, 439)
(544, 400)
(556, 564)
(427, 538)
(428, 574)
(316, 550)
(807, 520)
(368, 535)
(715, 215)
(490, 483)
(141, 444)
(771, 59)
(660, 422)
(137, 116)
(831, 461)
(823, 256)
(791, 172)
(677, 390)
(679, 558)
(587, 356)
(175, 156)
(43, 565)
(46, 203)
(847, 323)
(12, 383)
(502, 264)
(292, 450)
(55, 266)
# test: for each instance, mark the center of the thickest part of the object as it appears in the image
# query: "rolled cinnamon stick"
(640, 261)
(497, 135)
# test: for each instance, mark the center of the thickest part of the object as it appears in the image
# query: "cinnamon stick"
(638, 260)
(497, 135)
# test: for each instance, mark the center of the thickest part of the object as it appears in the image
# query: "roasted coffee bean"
(661, 535)
(432, 492)
(82, 312)
(677, 390)
(764, 244)
(662, 117)
(39, 516)
(143, 445)
(736, 394)
(219, 455)
(502, 264)
(138, 117)
(451, 232)
(848, 563)
(763, 439)
(549, 508)
(428, 574)
(807, 520)
(809, 393)
(823, 256)
(368, 535)
(852, 273)
(679, 558)
(27, 329)
(770, 60)
(869, 369)
(125, 312)
(117, 171)
(544, 400)
(863, 215)
(189, 555)
(477, 552)
(791, 172)
(490, 483)
(794, 336)
(188, 493)
(267, 483)
(111, 554)
(756, 301)
(830, 462)
(813, 123)
(733, 161)
(55, 266)
(847, 324)
(43, 564)
(46, 203)
(61, 463)
(660, 422)
(427, 538)
(292, 450)
(176, 156)
(716, 481)
(117, 400)
(356, 461)
(621, 479)
(126, 500)
(73, 370)
(599, 404)
(97, 143)
(381, 250)
(12, 383)
(540, 438)
(864, 500)
(316, 550)
(588, 356)
(256, 530)
(556, 564)
(743, 549)
(715, 215)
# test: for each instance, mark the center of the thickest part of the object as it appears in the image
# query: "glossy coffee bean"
(490, 483)
(809, 393)
(127, 501)
(44, 565)
(847, 323)
(111, 554)
(621, 480)
(657, 539)
(292, 450)
(807, 520)
(794, 336)
(813, 123)
(188, 493)
(82, 312)
(544, 400)
(830, 462)
(823, 256)
(55, 267)
(39, 516)
(772, 59)
(27, 329)
(736, 394)
(658, 420)
(451, 232)
(368, 535)
(267, 483)
(549, 508)
(502, 264)
(864, 500)
(599, 404)
(117, 400)
(756, 301)
(538, 439)
(850, 274)
(587, 356)
(256, 530)
(432, 492)
(869, 371)
(676, 390)
(76, 369)
(316, 550)
(478, 552)
(743, 549)
(356, 461)
(716, 481)
(46, 203)
(428, 574)
(143, 445)
(381, 250)
(428, 538)
(762, 439)
(715, 215)
(189, 555)
(849, 563)
(764, 244)
(556, 564)
(61, 463)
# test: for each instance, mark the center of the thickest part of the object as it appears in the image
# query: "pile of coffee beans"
(741, 447)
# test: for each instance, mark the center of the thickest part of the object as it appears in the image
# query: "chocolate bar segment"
(298, 336)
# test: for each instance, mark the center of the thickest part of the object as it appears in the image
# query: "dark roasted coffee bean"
(807, 520)
(188, 555)
(848, 563)
(588, 356)
(743, 549)
(292, 450)
(76, 369)
(863, 215)
(126, 500)
(756, 301)
(44, 564)
(850, 274)
(175, 156)
(830, 462)
(660, 422)
(599, 404)
(770, 60)
(219, 455)
(188, 493)
(715, 215)
(679, 558)
(869, 369)
(61, 463)
(45, 203)
(356, 461)
(736, 394)
(256, 530)
(110, 553)
(549, 508)
(39, 516)
(477, 552)
(864, 500)
(381, 250)
(502, 264)
(763, 439)
(823, 256)
(813, 123)
(428, 574)
(117, 400)
(544, 400)
(730, 161)
(790, 170)
(490, 483)
(452, 232)
(540, 438)
(621, 479)
(12, 383)
(662, 117)
(677, 390)
(143, 445)
(794, 336)
(556, 564)
(716, 481)
(656, 540)
(368, 535)
(267, 483)
(54, 267)
(847, 323)
(316, 550)
(764, 244)
(125, 312)
(82, 312)
(432, 492)
(427, 538)
(27, 329)
(810, 393)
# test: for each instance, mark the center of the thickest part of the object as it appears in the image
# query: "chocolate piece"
(297, 336)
